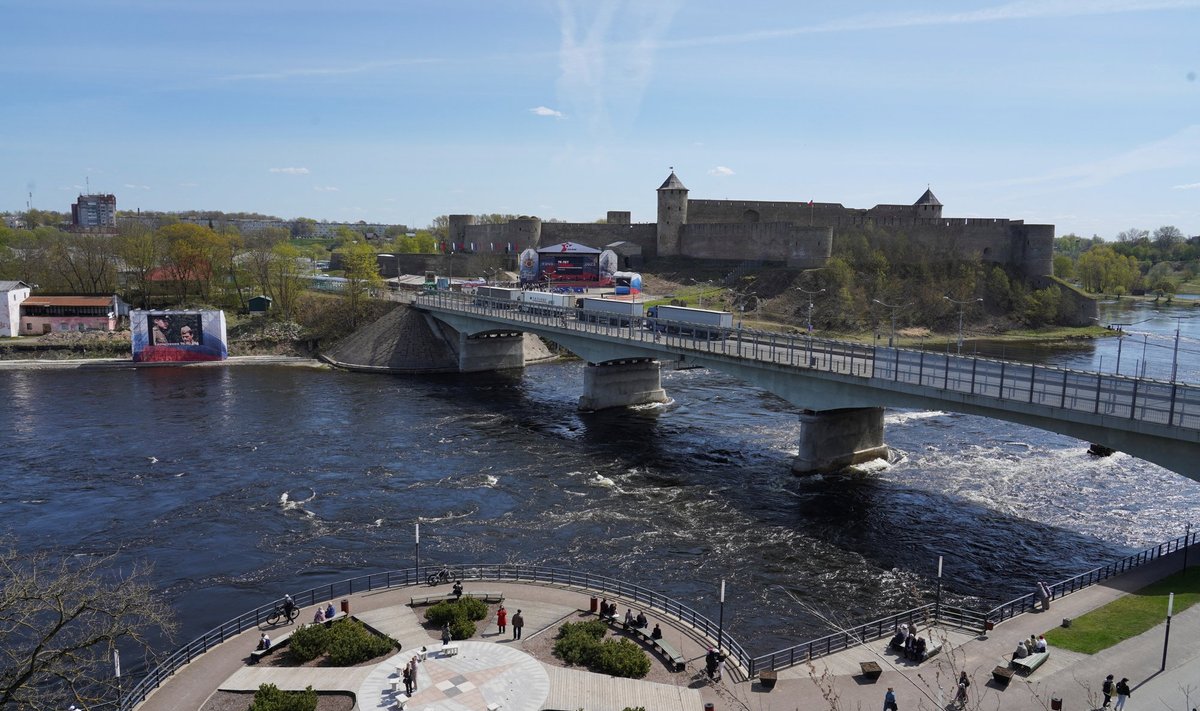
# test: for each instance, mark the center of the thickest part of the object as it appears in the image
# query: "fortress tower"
(672, 215)
(928, 206)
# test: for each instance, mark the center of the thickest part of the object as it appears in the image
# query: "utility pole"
(962, 305)
(893, 307)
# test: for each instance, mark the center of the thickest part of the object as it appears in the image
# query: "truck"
(687, 321)
(497, 297)
(547, 303)
(613, 312)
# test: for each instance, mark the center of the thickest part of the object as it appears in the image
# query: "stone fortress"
(795, 234)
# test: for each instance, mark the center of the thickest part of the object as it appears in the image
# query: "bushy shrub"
(351, 643)
(578, 643)
(472, 608)
(459, 614)
(270, 698)
(462, 628)
(308, 642)
(620, 657)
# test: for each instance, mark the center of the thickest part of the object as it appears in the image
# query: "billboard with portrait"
(178, 336)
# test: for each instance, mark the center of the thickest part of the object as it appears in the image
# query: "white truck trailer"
(497, 297)
(547, 302)
(613, 312)
(688, 321)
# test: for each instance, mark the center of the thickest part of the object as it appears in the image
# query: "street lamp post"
(417, 551)
(1187, 539)
(893, 307)
(937, 605)
(810, 295)
(721, 619)
(1167, 636)
(962, 305)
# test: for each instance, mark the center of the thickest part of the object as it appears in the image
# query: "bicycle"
(438, 578)
(281, 613)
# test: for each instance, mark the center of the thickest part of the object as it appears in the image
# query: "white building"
(13, 292)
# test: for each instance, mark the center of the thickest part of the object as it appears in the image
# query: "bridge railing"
(1173, 404)
(595, 585)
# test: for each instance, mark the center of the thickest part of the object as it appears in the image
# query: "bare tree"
(60, 621)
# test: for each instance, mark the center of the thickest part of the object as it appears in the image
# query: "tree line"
(1161, 261)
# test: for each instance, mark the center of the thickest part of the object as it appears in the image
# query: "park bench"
(276, 643)
(448, 597)
(1029, 664)
(669, 653)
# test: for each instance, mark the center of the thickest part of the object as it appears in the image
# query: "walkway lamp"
(1187, 541)
(937, 603)
(721, 619)
(417, 551)
(1167, 636)
(893, 307)
(810, 295)
(962, 305)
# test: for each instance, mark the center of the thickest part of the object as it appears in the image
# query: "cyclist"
(289, 606)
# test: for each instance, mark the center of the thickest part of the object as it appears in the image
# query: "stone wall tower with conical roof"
(672, 215)
(928, 206)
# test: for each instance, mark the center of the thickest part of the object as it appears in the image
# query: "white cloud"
(721, 171)
(325, 189)
(546, 111)
(131, 186)
(1187, 186)
(291, 171)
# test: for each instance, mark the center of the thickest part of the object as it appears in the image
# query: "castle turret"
(672, 215)
(527, 231)
(928, 206)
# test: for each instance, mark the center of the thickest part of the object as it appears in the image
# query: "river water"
(240, 483)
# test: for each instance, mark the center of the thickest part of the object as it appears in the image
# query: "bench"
(281, 641)
(449, 650)
(449, 597)
(670, 654)
(1031, 663)
(870, 670)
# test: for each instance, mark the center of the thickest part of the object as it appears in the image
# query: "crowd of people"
(908, 643)
(1034, 645)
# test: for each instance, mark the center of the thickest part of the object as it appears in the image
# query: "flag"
(810, 203)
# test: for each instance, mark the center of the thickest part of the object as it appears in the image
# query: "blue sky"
(1084, 114)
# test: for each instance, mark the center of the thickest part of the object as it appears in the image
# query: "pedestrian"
(889, 701)
(963, 684)
(407, 680)
(501, 619)
(1123, 693)
(518, 622)
(710, 663)
(412, 671)
(458, 589)
(720, 667)
(445, 633)
(1043, 595)
(1107, 690)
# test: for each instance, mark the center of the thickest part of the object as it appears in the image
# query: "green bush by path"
(620, 657)
(460, 614)
(583, 644)
(1128, 616)
(270, 698)
(308, 642)
(351, 643)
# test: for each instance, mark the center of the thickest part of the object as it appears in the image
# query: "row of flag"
(445, 247)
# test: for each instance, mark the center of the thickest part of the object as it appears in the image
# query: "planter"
(768, 679)
(870, 670)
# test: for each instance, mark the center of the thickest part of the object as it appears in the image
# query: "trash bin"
(709, 707)
(1066, 622)
(1055, 704)
(595, 605)
(346, 606)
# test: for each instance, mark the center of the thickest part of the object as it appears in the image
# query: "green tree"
(1064, 267)
(362, 276)
(140, 250)
(1166, 238)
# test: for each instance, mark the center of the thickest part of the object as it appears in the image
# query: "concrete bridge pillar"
(491, 351)
(833, 439)
(621, 383)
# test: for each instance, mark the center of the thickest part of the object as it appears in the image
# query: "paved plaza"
(493, 671)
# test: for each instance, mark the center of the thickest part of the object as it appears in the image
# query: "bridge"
(840, 387)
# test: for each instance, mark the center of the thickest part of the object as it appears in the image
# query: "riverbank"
(124, 363)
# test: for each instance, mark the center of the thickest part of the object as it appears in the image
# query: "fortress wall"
(735, 212)
(987, 242)
(485, 234)
(798, 246)
(1034, 244)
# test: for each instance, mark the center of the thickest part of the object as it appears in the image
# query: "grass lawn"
(1128, 616)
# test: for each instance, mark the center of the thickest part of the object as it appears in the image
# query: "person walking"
(1107, 689)
(407, 680)
(889, 701)
(446, 633)
(1123, 693)
(501, 619)
(961, 695)
(412, 673)
(518, 621)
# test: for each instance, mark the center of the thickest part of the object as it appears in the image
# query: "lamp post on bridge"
(962, 306)
(893, 307)
(810, 295)
(721, 619)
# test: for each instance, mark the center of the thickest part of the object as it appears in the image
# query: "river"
(240, 483)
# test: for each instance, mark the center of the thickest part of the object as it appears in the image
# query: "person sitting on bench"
(1021, 651)
(641, 620)
(901, 635)
(657, 632)
(264, 642)
(318, 616)
(330, 613)
(919, 649)
(628, 618)
(458, 589)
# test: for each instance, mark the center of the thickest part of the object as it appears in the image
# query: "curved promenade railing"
(586, 582)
